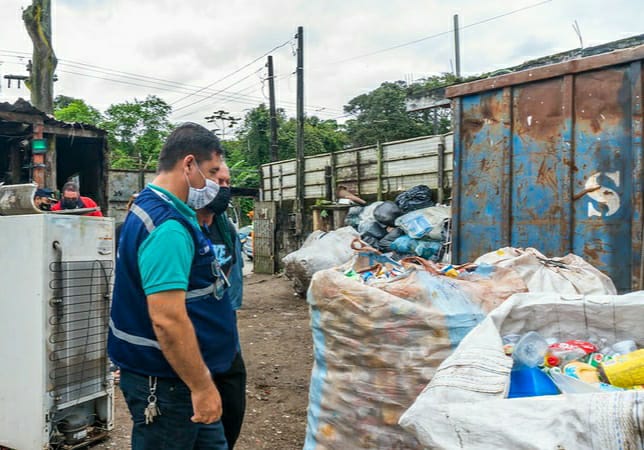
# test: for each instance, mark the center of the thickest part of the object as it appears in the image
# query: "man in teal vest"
(172, 327)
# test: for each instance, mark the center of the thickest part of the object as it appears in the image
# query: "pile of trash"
(557, 370)
(380, 329)
(411, 225)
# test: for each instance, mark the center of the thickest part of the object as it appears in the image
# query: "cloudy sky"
(206, 55)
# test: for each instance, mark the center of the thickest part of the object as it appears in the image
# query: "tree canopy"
(69, 109)
(381, 114)
(137, 131)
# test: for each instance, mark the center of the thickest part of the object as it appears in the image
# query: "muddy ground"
(276, 344)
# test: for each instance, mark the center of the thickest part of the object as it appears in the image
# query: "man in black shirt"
(223, 236)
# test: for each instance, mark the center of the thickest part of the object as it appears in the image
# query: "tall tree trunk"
(37, 18)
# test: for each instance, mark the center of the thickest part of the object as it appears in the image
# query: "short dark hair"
(188, 139)
(71, 187)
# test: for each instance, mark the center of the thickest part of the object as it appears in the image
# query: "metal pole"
(379, 169)
(273, 112)
(457, 47)
(300, 126)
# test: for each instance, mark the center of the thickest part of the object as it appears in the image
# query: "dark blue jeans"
(173, 429)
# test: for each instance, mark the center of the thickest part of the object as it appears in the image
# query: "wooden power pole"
(300, 131)
(273, 112)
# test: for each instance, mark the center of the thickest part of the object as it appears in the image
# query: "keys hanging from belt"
(152, 410)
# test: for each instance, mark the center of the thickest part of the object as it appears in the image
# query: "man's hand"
(206, 405)
(179, 345)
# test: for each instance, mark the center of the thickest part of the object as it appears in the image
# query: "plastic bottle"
(561, 353)
(530, 350)
(558, 357)
(624, 347)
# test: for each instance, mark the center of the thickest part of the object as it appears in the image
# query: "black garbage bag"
(352, 218)
(415, 198)
(387, 213)
(372, 228)
(386, 241)
(374, 242)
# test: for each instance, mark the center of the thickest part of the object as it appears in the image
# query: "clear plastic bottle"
(560, 357)
(530, 350)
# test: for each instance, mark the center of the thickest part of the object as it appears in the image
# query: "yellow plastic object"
(585, 372)
(624, 370)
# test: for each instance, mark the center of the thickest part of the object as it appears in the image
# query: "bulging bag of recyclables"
(378, 342)
(320, 251)
(566, 275)
(465, 404)
(428, 222)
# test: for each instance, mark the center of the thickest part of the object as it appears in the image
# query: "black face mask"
(45, 207)
(220, 203)
(69, 203)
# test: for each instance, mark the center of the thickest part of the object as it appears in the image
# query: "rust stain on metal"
(539, 110)
(546, 175)
(601, 98)
(487, 112)
(591, 252)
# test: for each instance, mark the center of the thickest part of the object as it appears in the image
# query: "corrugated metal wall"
(554, 163)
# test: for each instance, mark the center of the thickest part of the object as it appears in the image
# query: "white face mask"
(199, 198)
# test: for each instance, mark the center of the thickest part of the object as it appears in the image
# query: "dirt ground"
(277, 348)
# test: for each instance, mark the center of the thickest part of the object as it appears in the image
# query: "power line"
(444, 33)
(234, 72)
(120, 73)
(224, 94)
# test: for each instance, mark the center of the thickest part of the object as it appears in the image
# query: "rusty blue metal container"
(551, 158)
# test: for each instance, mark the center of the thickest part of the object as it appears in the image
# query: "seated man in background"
(71, 199)
(43, 199)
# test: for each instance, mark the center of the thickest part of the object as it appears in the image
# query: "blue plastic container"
(531, 382)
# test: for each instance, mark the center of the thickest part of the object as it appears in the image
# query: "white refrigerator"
(55, 285)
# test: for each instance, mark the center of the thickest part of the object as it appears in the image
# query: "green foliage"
(320, 136)
(242, 173)
(69, 109)
(137, 131)
(380, 115)
(246, 205)
(426, 85)
(61, 101)
(252, 147)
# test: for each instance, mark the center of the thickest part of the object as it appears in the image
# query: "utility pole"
(37, 19)
(300, 130)
(273, 112)
(457, 47)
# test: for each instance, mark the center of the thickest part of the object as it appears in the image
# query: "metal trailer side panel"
(554, 164)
